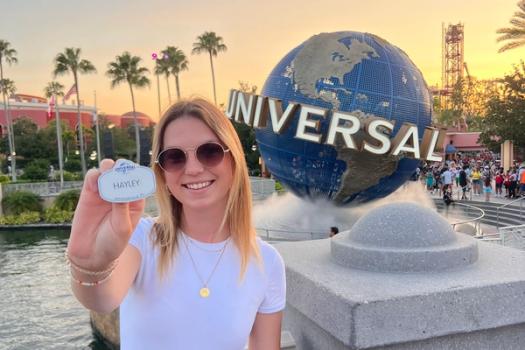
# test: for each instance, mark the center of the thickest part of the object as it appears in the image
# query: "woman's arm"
(266, 332)
(106, 297)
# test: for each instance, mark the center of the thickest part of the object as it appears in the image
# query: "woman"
(196, 277)
(476, 181)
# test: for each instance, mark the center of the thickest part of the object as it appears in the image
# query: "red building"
(36, 108)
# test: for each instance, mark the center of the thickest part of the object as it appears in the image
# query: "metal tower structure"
(453, 59)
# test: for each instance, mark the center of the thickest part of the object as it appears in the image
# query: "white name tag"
(126, 182)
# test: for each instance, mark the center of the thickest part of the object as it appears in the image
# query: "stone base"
(309, 336)
(107, 327)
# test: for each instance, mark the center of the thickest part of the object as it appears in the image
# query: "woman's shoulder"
(142, 231)
(269, 254)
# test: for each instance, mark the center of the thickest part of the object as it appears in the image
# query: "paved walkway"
(480, 198)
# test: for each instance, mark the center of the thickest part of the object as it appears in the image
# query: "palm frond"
(511, 45)
(126, 68)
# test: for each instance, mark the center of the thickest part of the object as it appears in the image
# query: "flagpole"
(97, 129)
(59, 143)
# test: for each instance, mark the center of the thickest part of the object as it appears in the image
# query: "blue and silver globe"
(351, 72)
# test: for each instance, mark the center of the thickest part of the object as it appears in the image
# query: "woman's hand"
(101, 230)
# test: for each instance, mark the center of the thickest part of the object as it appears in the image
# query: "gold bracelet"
(90, 284)
(89, 272)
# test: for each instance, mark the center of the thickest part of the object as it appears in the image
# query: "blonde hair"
(237, 214)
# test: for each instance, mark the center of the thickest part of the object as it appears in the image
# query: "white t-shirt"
(447, 177)
(174, 316)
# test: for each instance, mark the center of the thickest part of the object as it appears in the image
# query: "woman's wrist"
(88, 277)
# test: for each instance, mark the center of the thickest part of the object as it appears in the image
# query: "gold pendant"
(204, 292)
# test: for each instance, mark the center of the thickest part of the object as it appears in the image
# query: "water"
(37, 307)
(304, 219)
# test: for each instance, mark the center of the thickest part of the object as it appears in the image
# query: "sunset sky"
(257, 33)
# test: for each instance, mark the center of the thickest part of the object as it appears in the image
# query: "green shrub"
(67, 200)
(27, 217)
(54, 215)
(73, 165)
(69, 176)
(4, 179)
(37, 169)
(21, 201)
(278, 186)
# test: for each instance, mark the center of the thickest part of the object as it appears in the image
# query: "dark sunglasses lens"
(172, 159)
(210, 154)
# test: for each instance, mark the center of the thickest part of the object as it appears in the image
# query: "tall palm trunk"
(213, 79)
(177, 85)
(158, 93)
(59, 143)
(80, 130)
(168, 85)
(137, 136)
(10, 134)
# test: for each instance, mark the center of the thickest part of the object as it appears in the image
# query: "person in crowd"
(513, 182)
(521, 179)
(476, 181)
(430, 181)
(333, 231)
(446, 178)
(487, 183)
(506, 183)
(463, 182)
(499, 184)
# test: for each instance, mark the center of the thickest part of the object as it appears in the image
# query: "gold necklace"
(204, 292)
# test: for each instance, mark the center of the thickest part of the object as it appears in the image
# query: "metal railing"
(468, 210)
(521, 199)
(271, 234)
(459, 193)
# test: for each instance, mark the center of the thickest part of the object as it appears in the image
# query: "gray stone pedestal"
(401, 278)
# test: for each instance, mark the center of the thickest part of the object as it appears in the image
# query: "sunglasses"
(209, 154)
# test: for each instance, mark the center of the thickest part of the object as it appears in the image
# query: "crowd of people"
(480, 177)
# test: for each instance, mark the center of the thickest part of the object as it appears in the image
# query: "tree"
(126, 68)
(9, 55)
(53, 90)
(176, 60)
(247, 134)
(69, 61)
(212, 44)
(162, 67)
(505, 119)
(7, 87)
(514, 35)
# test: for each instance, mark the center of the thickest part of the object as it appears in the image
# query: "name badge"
(126, 182)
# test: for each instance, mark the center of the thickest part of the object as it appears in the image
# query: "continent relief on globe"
(323, 56)
(363, 170)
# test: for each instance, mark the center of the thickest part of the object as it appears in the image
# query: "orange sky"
(258, 34)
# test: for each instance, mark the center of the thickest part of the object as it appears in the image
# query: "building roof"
(464, 141)
(139, 115)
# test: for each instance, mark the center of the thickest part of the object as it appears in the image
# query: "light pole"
(59, 143)
(95, 117)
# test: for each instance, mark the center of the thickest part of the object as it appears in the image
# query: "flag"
(50, 106)
(71, 91)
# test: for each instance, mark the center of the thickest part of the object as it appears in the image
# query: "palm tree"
(7, 87)
(126, 68)
(9, 55)
(515, 35)
(55, 89)
(69, 61)
(162, 67)
(212, 44)
(178, 62)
